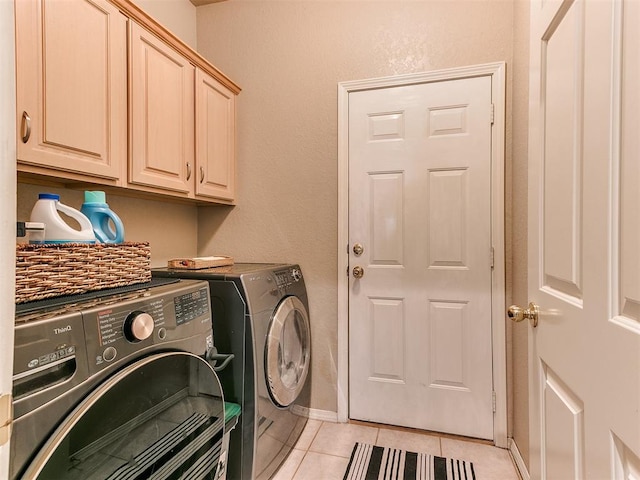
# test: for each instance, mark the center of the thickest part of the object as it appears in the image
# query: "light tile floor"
(323, 451)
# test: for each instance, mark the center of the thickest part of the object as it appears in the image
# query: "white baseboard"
(315, 414)
(518, 460)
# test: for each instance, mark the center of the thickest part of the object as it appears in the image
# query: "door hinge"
(493, 401)
(6, 421)
(493, 113)
(492, 256)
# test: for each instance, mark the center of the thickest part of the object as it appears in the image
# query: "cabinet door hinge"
(492, 256)
(493, 113)
(493, 401)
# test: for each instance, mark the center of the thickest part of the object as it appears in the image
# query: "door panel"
(71, 83)
(627, 307)
(447, 218)
(564, 439)
(387, 346)
(387, 213)
(420, 204)
(162, 114)
(562, 58)
(215, 138)
(583, 272)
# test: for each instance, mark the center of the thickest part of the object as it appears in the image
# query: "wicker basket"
(52, 270)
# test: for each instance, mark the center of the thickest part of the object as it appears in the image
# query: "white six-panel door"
(420, 205)
(584, 239)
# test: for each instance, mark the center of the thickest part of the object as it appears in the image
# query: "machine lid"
(288, 351)
(161, 416)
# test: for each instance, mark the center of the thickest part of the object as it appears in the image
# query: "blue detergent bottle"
(107, 226)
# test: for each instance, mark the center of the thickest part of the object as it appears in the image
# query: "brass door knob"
(358, 271)
(518, 314)
(358, 249)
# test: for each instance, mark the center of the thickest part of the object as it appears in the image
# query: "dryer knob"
(138, 326)
(296, 274)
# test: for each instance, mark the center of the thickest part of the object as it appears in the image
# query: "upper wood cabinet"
(162, 115)
(106, 95)
(215, 138)
(71, 72)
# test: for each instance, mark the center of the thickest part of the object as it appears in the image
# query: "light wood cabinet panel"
(162, 115)
(106, 95)
(215, 138)
(72, 88)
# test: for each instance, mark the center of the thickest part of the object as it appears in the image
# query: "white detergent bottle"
(56, 230)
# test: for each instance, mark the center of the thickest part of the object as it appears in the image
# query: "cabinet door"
(215, 138)
(71, 91)
(162, 115)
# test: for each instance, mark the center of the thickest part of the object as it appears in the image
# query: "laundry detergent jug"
(56, 229)
(107, 226)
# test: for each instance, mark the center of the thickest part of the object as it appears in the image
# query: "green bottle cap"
(95, 197)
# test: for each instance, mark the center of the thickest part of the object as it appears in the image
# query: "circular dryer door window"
(287, 353)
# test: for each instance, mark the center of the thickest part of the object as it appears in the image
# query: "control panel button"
(296, 274)
(109, 354)
(162, 333)
(138, 326)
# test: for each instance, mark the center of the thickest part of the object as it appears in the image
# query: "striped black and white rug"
(369, 462)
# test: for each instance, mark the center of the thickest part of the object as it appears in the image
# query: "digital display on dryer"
(192, 305)
(283, 278)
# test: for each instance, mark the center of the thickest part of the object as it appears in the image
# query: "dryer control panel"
(56, 349)
(159, 317)
(287, 277)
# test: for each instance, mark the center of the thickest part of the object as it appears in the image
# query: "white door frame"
(8, 202)
(497, 73)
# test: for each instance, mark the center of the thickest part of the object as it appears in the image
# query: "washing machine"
(261, 315)
(118, 386)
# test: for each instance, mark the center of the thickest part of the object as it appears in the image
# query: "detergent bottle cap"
(49, 196)
(94, 197)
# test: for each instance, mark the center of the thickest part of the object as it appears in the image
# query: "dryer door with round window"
(288, 351)
(160, 417)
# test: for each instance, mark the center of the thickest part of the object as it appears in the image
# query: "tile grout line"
(295, 472)
(306, 451)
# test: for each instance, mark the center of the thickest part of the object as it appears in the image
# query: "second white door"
(420, 352)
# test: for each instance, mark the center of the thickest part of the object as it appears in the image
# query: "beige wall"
(288, 57)
(179, 16)
(170, 228)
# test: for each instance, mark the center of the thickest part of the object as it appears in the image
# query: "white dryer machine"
(260, 314)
